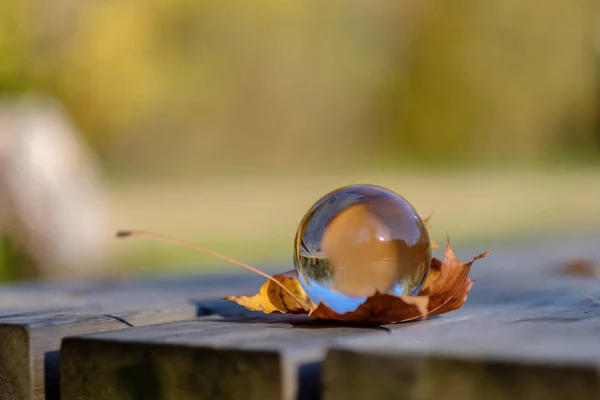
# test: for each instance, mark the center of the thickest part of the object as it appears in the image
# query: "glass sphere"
(357, 241)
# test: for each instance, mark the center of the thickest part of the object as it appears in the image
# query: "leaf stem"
(179, 243)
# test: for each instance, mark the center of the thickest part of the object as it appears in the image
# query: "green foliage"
(490, 79)
(7, 261)
(14, 264)
(306, 83)
(15, 47)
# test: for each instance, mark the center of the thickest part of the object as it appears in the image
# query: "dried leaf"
(449, 291)
(583, 267)
(445, 290)
(434, 274)
(273, 299)
(378, 309)
(434, 245)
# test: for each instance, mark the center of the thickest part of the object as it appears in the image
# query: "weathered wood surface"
(200, 358)
(408, 376)
(524, 333)
(35, 318)
(173, 340)
(548, 348)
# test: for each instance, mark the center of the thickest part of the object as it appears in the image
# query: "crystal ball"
(357, 241)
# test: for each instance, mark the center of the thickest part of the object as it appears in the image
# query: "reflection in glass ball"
(359, 240)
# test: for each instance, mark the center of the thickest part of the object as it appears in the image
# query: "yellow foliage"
(217, 81)
(272, 298)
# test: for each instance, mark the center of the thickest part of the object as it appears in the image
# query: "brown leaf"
(378, 309)
(432, 276)
(273, 299)
(445, 290)
(581, 266)
(449, 291)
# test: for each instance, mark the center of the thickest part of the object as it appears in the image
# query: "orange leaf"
(449, 291)
(378, 309)
(445, 290)
(273, 299)
(583, 267)
(432, 276)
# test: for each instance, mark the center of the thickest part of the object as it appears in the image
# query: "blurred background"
(222, 122)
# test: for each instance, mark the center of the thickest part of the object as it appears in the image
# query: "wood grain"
(254, 349)
(359, 375)
(31, 334)
(506, 328)
(39, 339)
(544, 345)
(15, 366)
(518, 317)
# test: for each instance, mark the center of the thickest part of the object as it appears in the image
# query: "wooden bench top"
(525, 332)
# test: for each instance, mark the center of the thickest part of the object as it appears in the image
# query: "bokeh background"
(222, 122)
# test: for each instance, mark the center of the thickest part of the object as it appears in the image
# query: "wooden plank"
(257, 357)
(168, 372)
(505, 283)
(366, 374)
(15, 301)
(27, 295)
(15, 372)
(34, 342)
(33, 334)
(549, 349)
(296, 345)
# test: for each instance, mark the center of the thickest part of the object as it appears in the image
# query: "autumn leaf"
(273, 299)
(583, 267)
(378, 309)
(434, 245)
(445, 290)
(449, 290)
